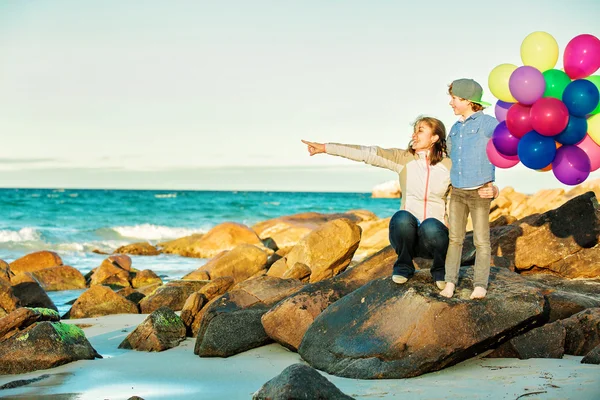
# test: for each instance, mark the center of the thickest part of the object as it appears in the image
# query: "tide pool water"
(75, 222)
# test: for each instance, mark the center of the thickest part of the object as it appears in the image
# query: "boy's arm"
(489, 126)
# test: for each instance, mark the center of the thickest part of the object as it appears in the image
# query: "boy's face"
(459, 105)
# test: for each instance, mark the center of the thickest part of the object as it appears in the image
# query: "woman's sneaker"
(440, 284)
(399, 279)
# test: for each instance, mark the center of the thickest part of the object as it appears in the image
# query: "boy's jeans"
(410, 239)
(463, 202)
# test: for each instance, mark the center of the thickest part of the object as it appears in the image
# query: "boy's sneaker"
(399, 279)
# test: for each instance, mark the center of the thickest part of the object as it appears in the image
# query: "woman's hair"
(438, 149)
(474, 106)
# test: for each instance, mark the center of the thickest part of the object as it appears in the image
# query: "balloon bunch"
(549, 118)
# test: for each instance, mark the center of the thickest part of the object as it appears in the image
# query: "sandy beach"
(179, 374)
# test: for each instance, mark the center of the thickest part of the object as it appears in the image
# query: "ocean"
(75, 222)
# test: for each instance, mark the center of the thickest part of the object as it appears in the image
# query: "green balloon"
(595, 79)
(556, 82)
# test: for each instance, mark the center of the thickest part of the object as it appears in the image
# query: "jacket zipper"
(426, 188)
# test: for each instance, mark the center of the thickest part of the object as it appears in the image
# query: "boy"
(471, 176)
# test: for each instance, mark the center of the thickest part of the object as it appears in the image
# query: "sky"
(216, 95)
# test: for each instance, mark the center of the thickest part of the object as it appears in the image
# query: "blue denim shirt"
(466, 146)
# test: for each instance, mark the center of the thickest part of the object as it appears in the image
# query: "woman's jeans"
(463, 202)
(429, 239)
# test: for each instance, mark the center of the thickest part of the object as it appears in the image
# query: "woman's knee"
(433, 230)
(402, 222)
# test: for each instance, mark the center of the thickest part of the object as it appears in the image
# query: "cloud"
(28, 160)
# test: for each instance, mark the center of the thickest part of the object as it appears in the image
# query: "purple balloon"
(527, 84)
(501, 109)
(571, 165)
(505, 142)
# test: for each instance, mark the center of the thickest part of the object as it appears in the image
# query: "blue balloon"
(581, 97)
(574, 132)
(536, 151)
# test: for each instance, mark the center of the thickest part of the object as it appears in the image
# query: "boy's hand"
(314, 147)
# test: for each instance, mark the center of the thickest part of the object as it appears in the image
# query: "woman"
(419, 228)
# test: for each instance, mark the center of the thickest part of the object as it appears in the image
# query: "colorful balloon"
(595, 79)
(581, 97)
(592, 150)
(594, 127)
(501, 109)
(571, 165)
(500, 160)
(518, 120)
(582, 56)
(539, 50)
(498, 82)
(556, 82)
(574, 132)
(549, 116)
(527, 84)
(536, 151)
(504, 141)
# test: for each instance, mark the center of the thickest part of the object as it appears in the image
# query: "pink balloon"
(549, 116)
(500, 160)
(582, 56)
(518, 120)
(501, 109)
(592, 150)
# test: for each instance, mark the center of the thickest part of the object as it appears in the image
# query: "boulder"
(547, 341)
(327, 250)
(161, 330)
(190, 314)
(63, 277)
(31, 294)
(172, 295)
(35, 261)
(231, 323)
(44, 345)
(299, 381)
(582, 332)
(288, 321)
(5, 272)
(224, 236)
(8, 301)
(138, 249)
(593, 357)
(100, 300)
(110, 272)
(145, 278)
(374, 237)
(240, 263)
(23, 317)
(385, 330)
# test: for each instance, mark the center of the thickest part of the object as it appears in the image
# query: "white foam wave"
(154, 232)
(165, 195)
(22, 235)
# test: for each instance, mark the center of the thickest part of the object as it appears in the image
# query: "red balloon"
(518, 120)
(582, 56)
(549, 116)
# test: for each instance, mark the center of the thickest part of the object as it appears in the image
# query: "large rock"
(593, 357)
(111, 272)
(8, 301)
(385, 330)
(326, 251)
(231, 323)
(138, 249)
(5, 272)
(299, 381)
(224, 236)
(62, 277)
(387, 190)
(161, 330)
(100, 300)
(23, 317)
(547, 341)
(288, 321)
(190, 314)
(44, 345)
(375, 236)
(172, 295)
(35, 261)
(288, 230)
(240, 263)
(582, 332)
(31, 294)
(145, 278)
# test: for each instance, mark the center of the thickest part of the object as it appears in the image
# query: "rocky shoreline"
(319, 285)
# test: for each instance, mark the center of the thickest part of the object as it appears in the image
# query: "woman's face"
(423, 137)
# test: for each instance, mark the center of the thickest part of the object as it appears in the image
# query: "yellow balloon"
(498, 82)
(594, 128)
(539, 50)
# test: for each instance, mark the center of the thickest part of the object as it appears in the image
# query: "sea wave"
(154, 232)
(22, 235)
(165, 195)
